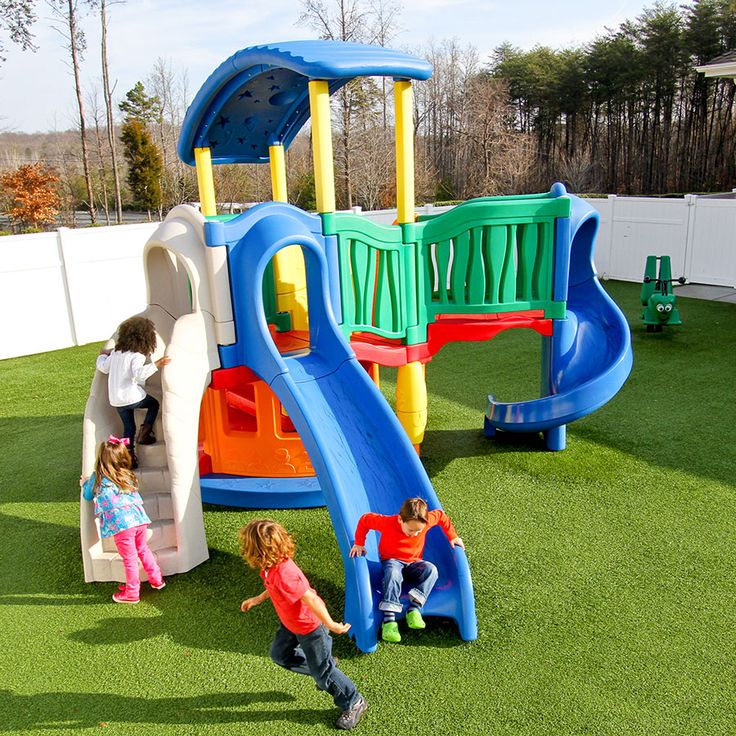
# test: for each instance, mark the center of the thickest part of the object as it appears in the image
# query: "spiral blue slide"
(361, 454)
(587, 359)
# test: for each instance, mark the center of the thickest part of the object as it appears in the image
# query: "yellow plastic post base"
(411, 401)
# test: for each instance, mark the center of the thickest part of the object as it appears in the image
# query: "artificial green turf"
(604, 574)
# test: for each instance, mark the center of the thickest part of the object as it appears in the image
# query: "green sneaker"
(414, 619)
(390, 632)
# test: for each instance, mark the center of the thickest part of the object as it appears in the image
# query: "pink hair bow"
(113, 440)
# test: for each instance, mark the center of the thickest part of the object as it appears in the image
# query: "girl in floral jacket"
(119, 510)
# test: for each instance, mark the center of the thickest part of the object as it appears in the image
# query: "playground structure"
(658, 296)
(277, 321)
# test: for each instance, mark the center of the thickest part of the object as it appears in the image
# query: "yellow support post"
(278, 173)
(324, 173)
(404, 104)
(288, 264)
(411, 401)
(411, 387)
(205, 181)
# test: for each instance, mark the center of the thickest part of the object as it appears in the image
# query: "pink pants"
(132, 545)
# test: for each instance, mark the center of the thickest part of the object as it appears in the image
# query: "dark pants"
(311, 654)
(421, 575)
(128, 416)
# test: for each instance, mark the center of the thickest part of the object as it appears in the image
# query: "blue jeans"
(128, 416)
(311, 654)
(421, 575)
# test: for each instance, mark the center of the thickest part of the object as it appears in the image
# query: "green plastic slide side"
(486, 256)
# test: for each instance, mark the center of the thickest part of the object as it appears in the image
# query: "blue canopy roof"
(259, 96)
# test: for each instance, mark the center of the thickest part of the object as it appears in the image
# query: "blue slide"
(362, 456)
(587, 359)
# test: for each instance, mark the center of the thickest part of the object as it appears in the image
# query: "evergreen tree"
(138, 105)
(144, 164)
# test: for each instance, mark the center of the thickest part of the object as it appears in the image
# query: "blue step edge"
(261, 493)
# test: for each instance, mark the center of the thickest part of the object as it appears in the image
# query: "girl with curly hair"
(303, 643)
(128, 369)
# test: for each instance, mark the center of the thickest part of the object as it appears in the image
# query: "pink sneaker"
(162, 584)
(123, 597)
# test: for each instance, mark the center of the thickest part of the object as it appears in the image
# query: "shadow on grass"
(199, 609)
(70, 710)
(442, 446)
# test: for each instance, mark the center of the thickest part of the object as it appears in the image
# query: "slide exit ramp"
(588, 358)
(362, 456)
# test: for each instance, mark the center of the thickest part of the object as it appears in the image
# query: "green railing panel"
(507, 287)
(495, 253)
(371, 284)
(491, 255)
(476, 268)
(488, 255)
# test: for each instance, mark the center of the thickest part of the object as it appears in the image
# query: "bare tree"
(67, 15)
(107, 92)
(97, 116)
(383, 29)
(357, 21)
(16, 19)
(171, 89)
(374, 169)
(440, 103)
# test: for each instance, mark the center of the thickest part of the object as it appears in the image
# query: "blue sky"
(36, 90)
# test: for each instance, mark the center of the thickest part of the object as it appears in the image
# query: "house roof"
(722, 66)
(259, 96)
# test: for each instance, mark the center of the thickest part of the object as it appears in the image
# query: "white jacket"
(128, 372)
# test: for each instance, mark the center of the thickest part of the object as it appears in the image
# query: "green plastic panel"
(372, 289)
(485, 256)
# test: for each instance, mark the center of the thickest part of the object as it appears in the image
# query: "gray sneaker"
(350, 718)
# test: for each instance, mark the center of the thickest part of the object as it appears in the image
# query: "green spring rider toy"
(658, 296)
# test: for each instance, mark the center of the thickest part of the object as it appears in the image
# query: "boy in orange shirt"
(400, 548)
(302, 644)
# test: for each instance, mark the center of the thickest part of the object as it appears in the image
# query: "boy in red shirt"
(302, 644)
(400, 549)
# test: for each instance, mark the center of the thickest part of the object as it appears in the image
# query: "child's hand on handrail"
(357, 550)
(457, 542)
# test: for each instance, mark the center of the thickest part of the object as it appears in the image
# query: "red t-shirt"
(286, 584)
(394, 544)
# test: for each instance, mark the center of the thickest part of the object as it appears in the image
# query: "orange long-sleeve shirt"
(396, 545)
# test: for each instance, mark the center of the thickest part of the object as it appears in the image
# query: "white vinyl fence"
(73, 287)
(69, 287)
(698, 233)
